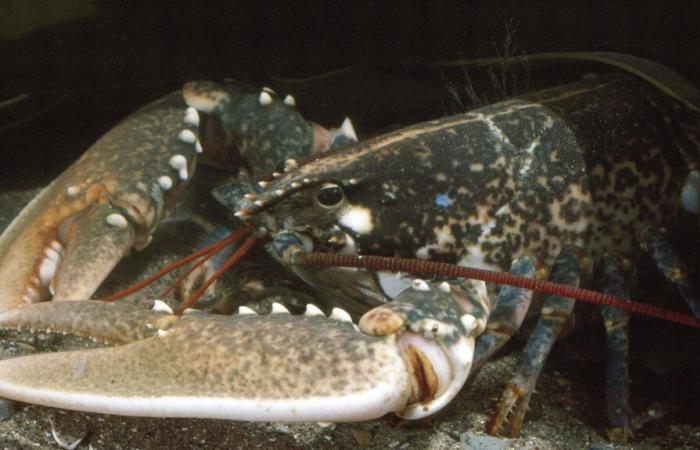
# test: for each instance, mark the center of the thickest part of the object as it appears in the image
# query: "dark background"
(85, 73)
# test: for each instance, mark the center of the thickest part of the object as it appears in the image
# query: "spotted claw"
(67, 239)
(279, 367)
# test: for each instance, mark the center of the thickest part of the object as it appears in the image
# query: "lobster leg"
(671, 265)
(507, 419)
(506, 317)
(612, 281)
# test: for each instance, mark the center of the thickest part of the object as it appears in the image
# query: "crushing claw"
(279, 367)
(67, 240)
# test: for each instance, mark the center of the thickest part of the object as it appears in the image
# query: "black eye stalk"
(330, 195)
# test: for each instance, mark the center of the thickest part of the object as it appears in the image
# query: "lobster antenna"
(417, 266)
(194, 266)
(207, 252)
(233, 259)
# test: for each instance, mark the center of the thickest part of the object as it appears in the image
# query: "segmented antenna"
(434, 268)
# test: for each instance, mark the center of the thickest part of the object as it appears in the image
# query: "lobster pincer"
(68, 239)
(411, 357)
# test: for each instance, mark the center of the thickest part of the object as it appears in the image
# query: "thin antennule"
(233, 259)
(417, 266)
(207, 251)
(179, 279)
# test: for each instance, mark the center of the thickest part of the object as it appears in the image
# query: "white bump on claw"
(278, 308)
(340, 314)
(165, 182)
(420, 285)
(179, 163)
(191, 117)
(296, 185)
(445, 287)
(47, 270)
(161, 306)
(265, 98)
(268, 90)
(245, 311)
(279, 192)
(348, 129)
(72, 191)
(117, 220)
(312, 310)
(290, 164)
(57, 246)
(187, 136)
(290, 100)
(198, 146)
(263, 184)
(468, 321)
(161, 333)
(258, 203)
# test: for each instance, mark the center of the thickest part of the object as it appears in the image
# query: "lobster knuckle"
(382, 321)
(246, 127)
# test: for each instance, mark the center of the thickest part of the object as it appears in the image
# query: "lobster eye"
(330, 195)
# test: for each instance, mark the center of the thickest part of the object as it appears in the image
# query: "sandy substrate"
(567, 412)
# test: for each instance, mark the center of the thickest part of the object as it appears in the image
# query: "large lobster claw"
(68, 239)
(279, 367)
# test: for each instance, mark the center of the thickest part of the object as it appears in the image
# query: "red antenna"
(418, 266)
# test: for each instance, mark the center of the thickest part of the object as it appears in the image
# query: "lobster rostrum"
(594, 169)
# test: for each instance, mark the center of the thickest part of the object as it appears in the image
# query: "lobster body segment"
(569, 176)
(591, 164)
